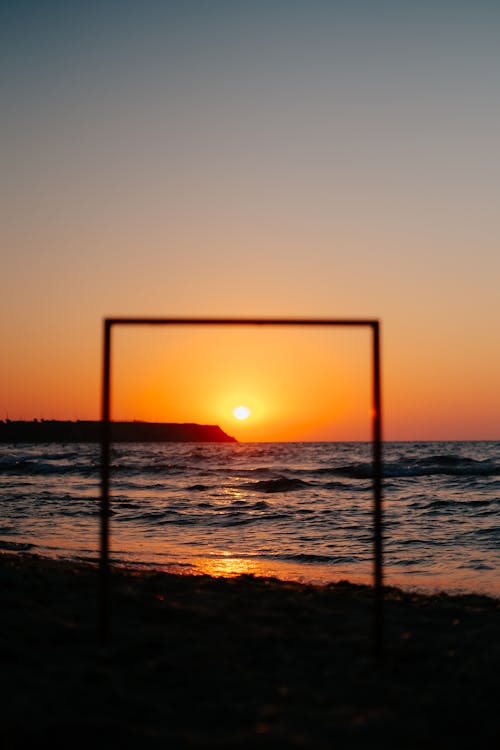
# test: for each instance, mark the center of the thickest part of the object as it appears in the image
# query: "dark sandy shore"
(199, 662)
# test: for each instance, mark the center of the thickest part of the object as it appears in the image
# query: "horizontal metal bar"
(244, 321)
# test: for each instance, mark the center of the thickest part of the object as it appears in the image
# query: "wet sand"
(246, 662)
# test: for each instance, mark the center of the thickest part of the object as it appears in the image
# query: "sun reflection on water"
(226, 565)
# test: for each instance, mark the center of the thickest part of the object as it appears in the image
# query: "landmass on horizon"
(88, 431)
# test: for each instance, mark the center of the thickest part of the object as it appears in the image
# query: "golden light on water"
(227, 566)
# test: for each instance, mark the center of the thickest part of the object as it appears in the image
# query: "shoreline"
(204, 662)
(222, 565)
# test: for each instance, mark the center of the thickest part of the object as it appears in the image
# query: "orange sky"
(307, 384)
(330, 161)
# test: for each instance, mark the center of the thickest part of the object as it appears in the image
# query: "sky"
(298, 158)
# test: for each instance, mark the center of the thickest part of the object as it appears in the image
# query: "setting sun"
(241, 412)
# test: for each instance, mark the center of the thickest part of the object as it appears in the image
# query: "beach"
(194, 661)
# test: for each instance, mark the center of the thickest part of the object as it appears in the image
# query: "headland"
(86, 431)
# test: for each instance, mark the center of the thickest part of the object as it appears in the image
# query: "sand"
(200, 662)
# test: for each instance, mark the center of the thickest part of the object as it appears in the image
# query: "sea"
(295, 511)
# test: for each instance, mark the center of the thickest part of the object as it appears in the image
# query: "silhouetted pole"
(378, 633)
(105, 449)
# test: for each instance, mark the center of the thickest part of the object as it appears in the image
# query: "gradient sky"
(277, 158)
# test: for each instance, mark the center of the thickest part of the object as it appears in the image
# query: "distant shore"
(244, 662)
(86, 431)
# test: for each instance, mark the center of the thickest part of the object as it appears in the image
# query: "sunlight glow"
(241, 412)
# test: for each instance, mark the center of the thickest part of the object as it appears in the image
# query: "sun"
(241, 412)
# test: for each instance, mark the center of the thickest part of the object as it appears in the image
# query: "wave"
(448, 465)
(16, 546)
(30, 467)
(66, 463)
(282, 484)
(27, 466)
(239, 520)
(310, 558)
(143, 468)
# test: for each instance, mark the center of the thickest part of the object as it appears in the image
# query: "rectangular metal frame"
(109, 323)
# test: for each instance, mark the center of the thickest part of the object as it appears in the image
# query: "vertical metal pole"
(105, 450)
(378, 629)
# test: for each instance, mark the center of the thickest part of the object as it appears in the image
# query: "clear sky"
(273, 157)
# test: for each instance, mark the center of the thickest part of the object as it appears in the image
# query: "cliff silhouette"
(80, 431)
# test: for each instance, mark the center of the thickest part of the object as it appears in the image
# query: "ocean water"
(300, 511)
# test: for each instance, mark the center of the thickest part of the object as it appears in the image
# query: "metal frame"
(104, 619)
